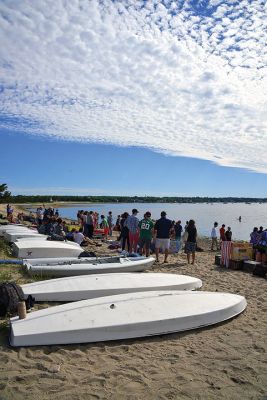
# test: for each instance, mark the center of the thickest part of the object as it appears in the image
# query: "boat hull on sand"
(45, 248)
(124, 316)
(9, 227)
(91, 286)
(91, 266)
(12, 237)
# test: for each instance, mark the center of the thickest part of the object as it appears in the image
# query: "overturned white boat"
(12, 237)
(36, 237)
(20, 229)
(124, 316)
(4, 227)
(45, 248)
(91, 286)
(94, 265)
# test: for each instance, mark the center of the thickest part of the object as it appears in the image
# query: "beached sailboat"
(124, 316)
(98, 285)
(85, 266)
(12, 237)
(45, 248)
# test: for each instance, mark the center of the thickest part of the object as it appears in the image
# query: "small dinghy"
(85, 266)
(92, 286)
(45, 248)
(124, 316)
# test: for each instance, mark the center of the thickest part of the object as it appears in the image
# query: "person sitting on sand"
(69, 235)
(191, 242)
(79, 237)
(58, 233)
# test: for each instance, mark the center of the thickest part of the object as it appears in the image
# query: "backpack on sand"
(10, 295)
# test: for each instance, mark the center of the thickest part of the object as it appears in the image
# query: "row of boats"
(109, 298)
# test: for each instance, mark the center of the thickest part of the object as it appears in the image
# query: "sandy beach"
(226, 361)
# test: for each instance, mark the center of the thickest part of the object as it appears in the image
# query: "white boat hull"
(5, 228)
(100, 285)
(45, 248)
(36, 237)
(12, 237)
(124, 316)
(91, 266)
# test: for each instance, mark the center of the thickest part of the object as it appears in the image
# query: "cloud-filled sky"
(183, 78)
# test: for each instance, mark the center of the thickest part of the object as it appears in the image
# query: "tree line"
(7, 197)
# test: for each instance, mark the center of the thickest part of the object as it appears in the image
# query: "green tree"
(4, 193)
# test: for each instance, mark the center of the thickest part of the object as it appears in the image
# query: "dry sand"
(225, 361)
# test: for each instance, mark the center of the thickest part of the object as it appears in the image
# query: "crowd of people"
(219, 235)
(258, 239)
(146, 235)
(142, 235)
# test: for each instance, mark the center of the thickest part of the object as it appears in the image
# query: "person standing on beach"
(90, 224)
(104, 225)
(228, 234)
(124, 236)
(39, 216)
(146, 233)
(162, 230)
(9, 213)
(178, 234)
(222, 233)
(110, 223)
(132, 223)
(191, 242)
(118, 223)
(214, 237)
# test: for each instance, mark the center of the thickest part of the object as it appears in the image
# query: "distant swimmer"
(239, 219)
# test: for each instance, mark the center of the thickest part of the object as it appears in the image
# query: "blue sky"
(133, 97)
(37, 165)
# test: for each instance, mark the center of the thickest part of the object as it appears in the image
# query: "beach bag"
(10, 295)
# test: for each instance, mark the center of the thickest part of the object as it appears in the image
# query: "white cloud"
(171, 79)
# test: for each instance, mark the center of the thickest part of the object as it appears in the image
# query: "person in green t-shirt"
(146, 233)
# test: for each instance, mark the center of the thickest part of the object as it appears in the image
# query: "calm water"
(204, 214)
